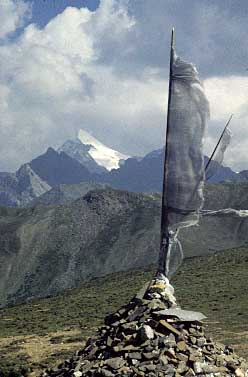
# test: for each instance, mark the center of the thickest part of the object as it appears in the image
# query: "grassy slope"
(45, 331)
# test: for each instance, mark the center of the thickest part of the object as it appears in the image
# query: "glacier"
(103, 155)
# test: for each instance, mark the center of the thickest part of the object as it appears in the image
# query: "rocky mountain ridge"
(244, 174)
(64, 194)
(80, 152)
(59, 168)
(45, 249)
(74, 165)
(20, 188)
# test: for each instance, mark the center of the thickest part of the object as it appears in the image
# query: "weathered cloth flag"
(184, 164)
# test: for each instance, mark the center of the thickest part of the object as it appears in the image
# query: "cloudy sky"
(103, 66)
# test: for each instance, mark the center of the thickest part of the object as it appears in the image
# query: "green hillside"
(43, 332)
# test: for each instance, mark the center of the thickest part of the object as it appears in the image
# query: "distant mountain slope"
(146, 174)
(32, 180)
(139, 175)
(59, 168)
(74, 163)
(8, 189)
(226, 195)
(20, 188)
(244, 174)
(46, 249)
(80, 152)
(222, 173)
(66, 193)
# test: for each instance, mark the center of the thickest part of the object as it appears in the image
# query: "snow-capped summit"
(103, 155)
(80, 152)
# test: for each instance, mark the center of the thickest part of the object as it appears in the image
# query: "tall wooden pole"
(164, 235)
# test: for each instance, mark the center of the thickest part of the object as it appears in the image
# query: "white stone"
(239, 373)
(198, 367)
(77, 374)
(147, 332)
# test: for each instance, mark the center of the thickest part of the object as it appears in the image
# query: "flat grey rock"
(141, 293)
(183, 315)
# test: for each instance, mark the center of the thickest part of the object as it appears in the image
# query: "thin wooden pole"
(216, 147)
(164, 239)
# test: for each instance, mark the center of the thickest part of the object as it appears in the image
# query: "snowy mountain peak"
(103, 155)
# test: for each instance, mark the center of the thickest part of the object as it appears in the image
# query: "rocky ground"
(152, 336)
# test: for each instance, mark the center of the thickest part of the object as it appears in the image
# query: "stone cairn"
(151, 336)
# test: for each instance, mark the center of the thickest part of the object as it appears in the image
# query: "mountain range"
(85, 159)
(81, 219)
(45, 249)
(18, 189)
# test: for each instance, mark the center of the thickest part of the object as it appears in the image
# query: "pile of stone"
(151, 336)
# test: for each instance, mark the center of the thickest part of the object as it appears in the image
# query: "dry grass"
(40, 350)
(43, 333)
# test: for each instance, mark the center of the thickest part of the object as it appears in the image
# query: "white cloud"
(53, 85)
(96, 70)
(13, 14)
(229, 95)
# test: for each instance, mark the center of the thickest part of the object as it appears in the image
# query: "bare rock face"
(46, 249)
(80, 152)
(20, 188)
(140, 339)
